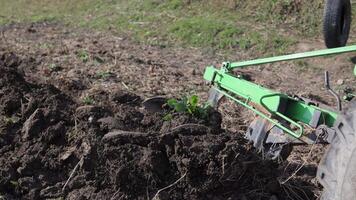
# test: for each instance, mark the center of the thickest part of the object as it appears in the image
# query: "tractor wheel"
(337, 170)
(337, 21)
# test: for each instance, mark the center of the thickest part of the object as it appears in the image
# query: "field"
(75, 74)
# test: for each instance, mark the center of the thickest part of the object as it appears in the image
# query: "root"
(302, 165)
(72, 173)
(115, 194)
(167, 187)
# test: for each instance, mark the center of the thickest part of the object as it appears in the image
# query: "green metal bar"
(310, 54)
(281, 105)
(275, 122)
(242, 88)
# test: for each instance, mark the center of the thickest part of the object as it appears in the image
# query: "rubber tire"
(337, 170)
(337, 22)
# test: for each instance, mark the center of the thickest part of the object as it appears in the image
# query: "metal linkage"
(296, 56)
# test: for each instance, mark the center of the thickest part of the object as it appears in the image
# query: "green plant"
(83, 55)
(88, 100)
(103, 74)
(14, 183)
(205, 31)
(53, 67)
(10, 120)
(45, 46)
(189, 105)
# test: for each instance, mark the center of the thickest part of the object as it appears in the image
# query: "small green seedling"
(189, 105)
(14, 183)
(104, 74)
(83, 55)
(10, 120)
(98, 60)
(53, 67)
(87, 100)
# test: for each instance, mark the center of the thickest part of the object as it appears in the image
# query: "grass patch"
(87, 100)
(104, 74)
(83, 55)
(54, 67)
(219, 24)
(200, 31)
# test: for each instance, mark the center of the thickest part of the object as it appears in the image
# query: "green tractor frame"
(282, 119)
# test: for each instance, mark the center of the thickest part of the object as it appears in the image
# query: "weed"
(302, 63)
(205, 31)
(10, 120)
(14, 183)
(103, 75)
(98, 60)
(168, 117)
(83, 55)
(87, 100)
(54, 67)
(45, 46)
(189, 105)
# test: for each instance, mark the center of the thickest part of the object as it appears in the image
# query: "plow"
(283, 120)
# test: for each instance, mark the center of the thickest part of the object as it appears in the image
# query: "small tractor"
(283, 119)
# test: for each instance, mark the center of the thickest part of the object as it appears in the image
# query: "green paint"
(262, 100)
(270, 104)
(310, 54)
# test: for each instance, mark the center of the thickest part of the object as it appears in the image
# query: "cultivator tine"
(272, 142)
(214, 97)
(269, 139)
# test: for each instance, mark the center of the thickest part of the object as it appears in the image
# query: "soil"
(54, 144)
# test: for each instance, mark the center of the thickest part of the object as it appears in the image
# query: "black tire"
(337, 21)
(337, 170)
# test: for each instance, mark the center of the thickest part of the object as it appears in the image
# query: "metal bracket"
(327, 85)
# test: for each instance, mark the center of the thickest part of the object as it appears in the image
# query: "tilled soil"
(53, 146)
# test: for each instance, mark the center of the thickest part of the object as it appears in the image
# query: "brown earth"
(53, 146)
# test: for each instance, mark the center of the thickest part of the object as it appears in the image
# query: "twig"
(124, 84)
(296, 189)
(169, 186)
(71, 175)
(302, 165)
(22, 108)
(294, 193)
(147, 192)
(114, 195)
(223, 165)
